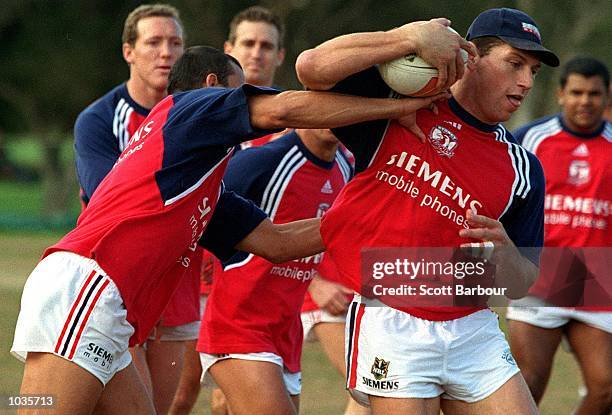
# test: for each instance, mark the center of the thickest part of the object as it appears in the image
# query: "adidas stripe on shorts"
(71, 308)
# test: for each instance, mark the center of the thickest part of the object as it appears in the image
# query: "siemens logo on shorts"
(99, 355)
(381, 384)
(415, 167)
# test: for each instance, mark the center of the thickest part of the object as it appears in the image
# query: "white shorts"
(293, 381)
(537, 312)
(393, 354)
(314, 317)
(71, 308)
(184, 332)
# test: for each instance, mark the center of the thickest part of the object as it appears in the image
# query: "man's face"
(503, 78)
(584, 101)
(256, 48)
(158, 45)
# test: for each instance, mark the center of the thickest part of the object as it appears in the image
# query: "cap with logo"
(513, 27)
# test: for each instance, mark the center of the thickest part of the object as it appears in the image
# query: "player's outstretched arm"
(513, 270)
(314, 109)
(284, 242)
(327, 64)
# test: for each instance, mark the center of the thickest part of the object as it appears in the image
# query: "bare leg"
(512, 398)
(331, 337)
(189, 384)
(74, 389)
(593, 350)
(218, 403)
(139, 359)
(400, 406)
(125, 394)
(241, 380)
(534, 349)
(165, 362)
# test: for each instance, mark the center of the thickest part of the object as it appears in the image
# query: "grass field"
(322, 390)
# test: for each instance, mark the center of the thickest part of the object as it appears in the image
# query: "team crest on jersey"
(323, 207)
(443, 141)
(380, 368)
(579, 172)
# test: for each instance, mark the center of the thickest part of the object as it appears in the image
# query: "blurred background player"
(575, 149)
(252, 328)
(256, 39)
(152, 42)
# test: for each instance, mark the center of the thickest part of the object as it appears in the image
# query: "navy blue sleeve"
(362, 139)
(96, 151)
(214, 117)
(234, 218)
(524, 220)
(519, 133)
(249, 171)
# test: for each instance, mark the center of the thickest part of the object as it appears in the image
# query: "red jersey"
(412, 194)
(578, 198)
(144, 221)
(255, 305)
(102, 131)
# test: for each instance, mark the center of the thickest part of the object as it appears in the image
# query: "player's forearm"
(324, 66)
(284, 242)
(516, 273)
(313, 109)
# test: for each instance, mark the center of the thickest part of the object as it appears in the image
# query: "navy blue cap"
(513, 27)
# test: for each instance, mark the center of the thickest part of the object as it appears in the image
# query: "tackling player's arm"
(312, 109)
(327, 64)
(239, 225)
(284, 242)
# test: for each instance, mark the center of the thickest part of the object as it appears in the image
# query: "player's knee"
(218, 403)
(536, 382)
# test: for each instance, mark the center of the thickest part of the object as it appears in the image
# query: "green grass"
(323, 391)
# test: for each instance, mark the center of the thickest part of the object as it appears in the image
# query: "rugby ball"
(410, 75)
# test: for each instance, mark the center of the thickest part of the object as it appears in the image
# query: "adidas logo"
(327, 188)
(581, 151)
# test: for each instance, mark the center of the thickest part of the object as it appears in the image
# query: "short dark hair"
(196, 63)
(587, 67)
(130, 32)
(257, 14)
(486, 43)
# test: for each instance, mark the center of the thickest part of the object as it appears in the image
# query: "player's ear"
(210, 81)
(560, 96)
(127, 50)
(227, 47)
(280, 56)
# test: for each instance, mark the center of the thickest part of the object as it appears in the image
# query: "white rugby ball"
(410, 75)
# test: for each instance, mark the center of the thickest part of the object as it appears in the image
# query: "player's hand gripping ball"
(410, 75)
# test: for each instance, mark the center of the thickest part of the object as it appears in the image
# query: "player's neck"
(143, 94)
(580, 130)
(267, 83)
(321, 148)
